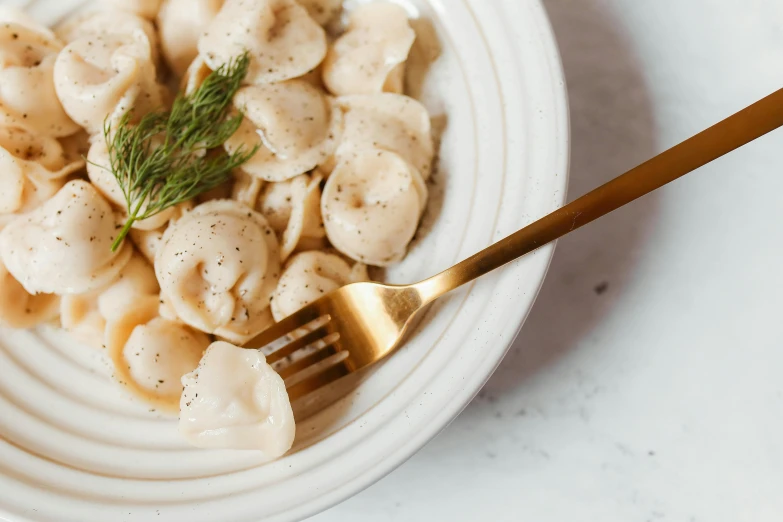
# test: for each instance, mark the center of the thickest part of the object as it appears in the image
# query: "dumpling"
(322, 11)
(282, 39)
(23, 190)
(246, 188)
(145, 8)
(217, 267)
(32, 169)
(107, 75)
(64, 246)
(100, 174)
(45, 156)
(235, 400)
(151, 355)
(195, 75)
(370, 56)
(371, 205)
(392, 122)
(85, 316)
(293, 210)
(296, 126)
(27, 93)
(100, 23)
(309, 276)
(15, 15)
(181, 23)
(147, 241)
(51, 157)
(19, 309)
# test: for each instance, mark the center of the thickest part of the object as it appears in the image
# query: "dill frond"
(170, 157)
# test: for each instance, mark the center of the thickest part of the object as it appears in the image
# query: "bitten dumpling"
(308, 276)
(296, 126)
(107, 75)
(371, 205)
(234, 399)
(85, 316)
(181, 23)
(217, 267)
(27, 94)
(282, 39)
(392, 122)
(64, 246)
(370, 56)
(19, 309)
(152, 354)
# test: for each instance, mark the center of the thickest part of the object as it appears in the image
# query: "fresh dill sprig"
(170, 157)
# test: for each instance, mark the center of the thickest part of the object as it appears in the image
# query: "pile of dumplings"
(338, 182)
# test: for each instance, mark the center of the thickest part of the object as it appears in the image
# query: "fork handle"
(735, 131)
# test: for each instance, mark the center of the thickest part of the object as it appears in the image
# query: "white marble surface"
(646, 385)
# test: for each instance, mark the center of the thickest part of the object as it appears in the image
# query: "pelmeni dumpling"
(194, 76)
(308, 276)
(282, 39)
(371, 205)
(27, 93)
(15, 15)
(43, 155)
(145, 8)
(387, 121)
(246, 188)
(322, 11)
(19, 309)
(370, 56)
(234, 399)
(107, 75)
(100, 174)
(109, 21)
(181, 23)
(64, 246)
(296, 126)
(151, 354)
(86, 315)
(32, 169)
(293, 210)
(217, 267)
(23, 190)
(147, 241)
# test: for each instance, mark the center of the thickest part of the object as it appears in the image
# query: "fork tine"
(317, 381)
(297, 344)
(296, 320)
(310, 360)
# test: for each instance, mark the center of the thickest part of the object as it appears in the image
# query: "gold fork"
(362, 323)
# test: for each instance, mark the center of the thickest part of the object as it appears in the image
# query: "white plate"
(74, 448)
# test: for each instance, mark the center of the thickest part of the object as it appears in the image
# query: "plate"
(74, 448)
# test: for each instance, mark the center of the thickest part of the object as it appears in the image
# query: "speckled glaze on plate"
(74, 448)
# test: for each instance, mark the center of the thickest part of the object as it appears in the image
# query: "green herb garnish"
(170, 157)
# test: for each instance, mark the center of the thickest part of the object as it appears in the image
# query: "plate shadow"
(613, 129)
